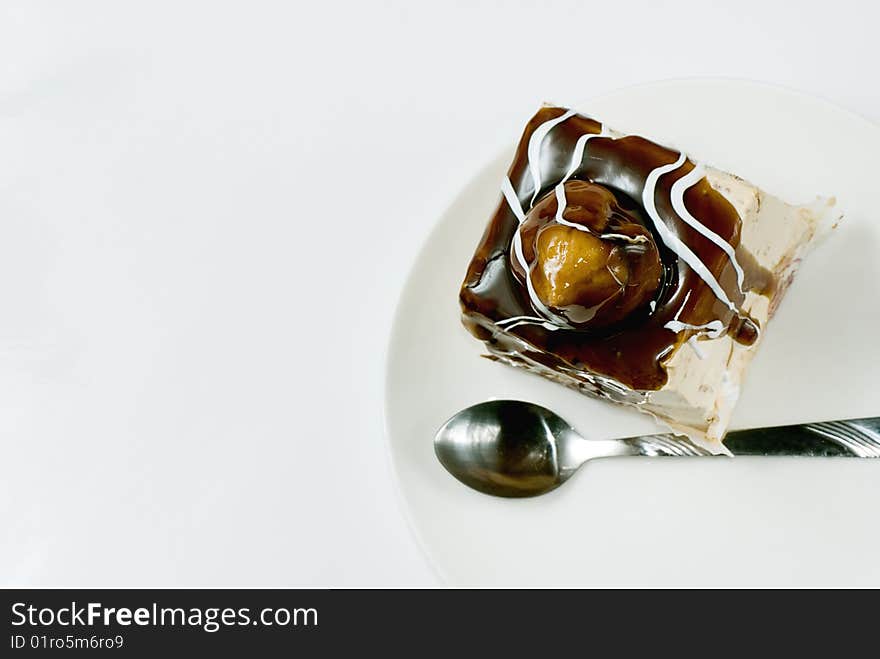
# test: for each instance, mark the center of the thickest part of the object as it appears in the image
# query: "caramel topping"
(575, 268)
(598, 266)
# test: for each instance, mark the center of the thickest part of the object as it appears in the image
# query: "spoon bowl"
(507, 448)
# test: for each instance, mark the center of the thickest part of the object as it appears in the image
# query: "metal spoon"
(511, 448)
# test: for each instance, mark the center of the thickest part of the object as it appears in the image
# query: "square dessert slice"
(627, 271)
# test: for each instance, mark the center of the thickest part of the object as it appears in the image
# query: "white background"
(207, 212)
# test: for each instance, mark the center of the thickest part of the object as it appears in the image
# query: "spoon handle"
(855, 438)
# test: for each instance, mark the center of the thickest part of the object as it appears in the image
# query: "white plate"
(664, 521)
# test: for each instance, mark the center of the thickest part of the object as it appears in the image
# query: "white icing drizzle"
(561, 205)
(635, 240)
(712, 329)
(513, 201)
(534, 150)
(577, 156)
(526, 320)
(671, 240)
(513, 319)
(677, 196)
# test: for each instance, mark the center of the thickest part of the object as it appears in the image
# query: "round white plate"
(668, 522)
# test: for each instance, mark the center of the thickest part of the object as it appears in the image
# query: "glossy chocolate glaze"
(625, 338)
